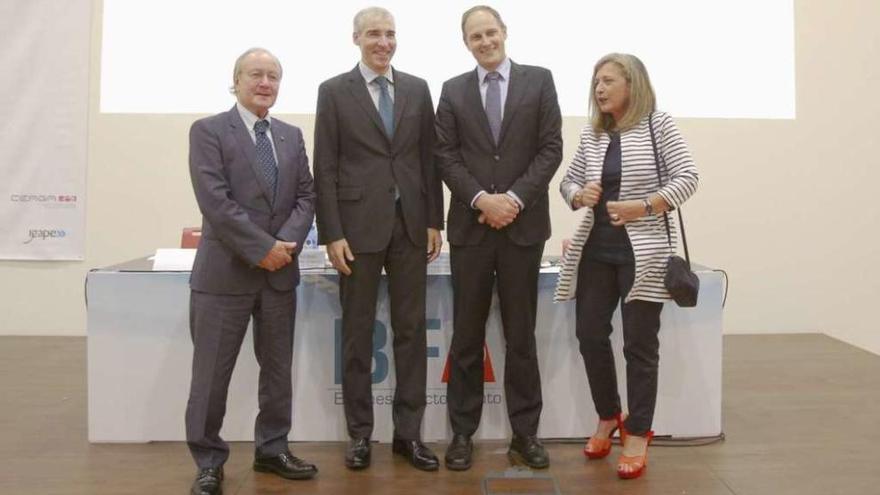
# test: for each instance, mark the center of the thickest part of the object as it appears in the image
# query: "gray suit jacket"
(357, 165)
(239, 222)
(527, 155)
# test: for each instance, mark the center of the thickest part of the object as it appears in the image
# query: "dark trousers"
(406, 267)
(475, 270)
(218, 324)
(600, 287)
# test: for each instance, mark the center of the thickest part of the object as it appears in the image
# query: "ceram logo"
(45, 200)
(44, 234)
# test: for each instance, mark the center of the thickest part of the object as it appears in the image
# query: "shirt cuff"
(476, 197)
(516, 198)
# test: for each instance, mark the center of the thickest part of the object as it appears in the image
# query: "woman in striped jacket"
(620, 249)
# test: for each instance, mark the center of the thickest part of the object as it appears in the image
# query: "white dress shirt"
(370, 76)
(250, 119)
(504, 71)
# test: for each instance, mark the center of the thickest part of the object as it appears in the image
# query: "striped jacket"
(638, 179)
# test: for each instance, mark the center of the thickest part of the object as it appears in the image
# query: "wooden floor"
(800, 414)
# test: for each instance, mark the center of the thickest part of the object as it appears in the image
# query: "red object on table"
(191, 237)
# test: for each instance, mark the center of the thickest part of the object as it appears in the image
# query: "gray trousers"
(218, 324)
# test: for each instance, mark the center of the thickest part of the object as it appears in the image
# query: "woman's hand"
(588, 196)
(622, 212)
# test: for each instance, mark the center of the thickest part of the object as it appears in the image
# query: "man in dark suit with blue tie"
(380, 205)
(499, 140)
(252, 183)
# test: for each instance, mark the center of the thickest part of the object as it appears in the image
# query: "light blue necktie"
(493, 104)
(265, 157)
(386, 112)
(386, 106)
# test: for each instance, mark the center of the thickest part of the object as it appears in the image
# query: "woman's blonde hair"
(641, 95)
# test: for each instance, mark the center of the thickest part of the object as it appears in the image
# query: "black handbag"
(680, 281)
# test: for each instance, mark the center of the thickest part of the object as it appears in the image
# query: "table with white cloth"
(140, 355)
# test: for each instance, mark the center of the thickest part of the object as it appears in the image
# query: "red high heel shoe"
(637, 464)
(599, 448)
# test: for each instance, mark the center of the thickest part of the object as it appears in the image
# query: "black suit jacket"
(240, 224)
(357, 165)
(524, 161)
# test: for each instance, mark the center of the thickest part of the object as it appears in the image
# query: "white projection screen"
(706, 58)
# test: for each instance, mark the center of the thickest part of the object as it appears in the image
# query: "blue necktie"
(386, 106)
(493, 104)
(265, 157)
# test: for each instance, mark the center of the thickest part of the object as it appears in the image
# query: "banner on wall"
(44, 96)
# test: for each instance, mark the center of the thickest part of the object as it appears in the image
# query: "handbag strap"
(687, 255)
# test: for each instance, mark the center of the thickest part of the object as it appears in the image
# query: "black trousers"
(475, 271)
(218, 324)
(600, 287)
(406, 266)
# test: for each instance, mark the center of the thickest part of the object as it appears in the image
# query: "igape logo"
(44, 234)
(380, 357)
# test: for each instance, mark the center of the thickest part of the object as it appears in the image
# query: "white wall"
(789, 208)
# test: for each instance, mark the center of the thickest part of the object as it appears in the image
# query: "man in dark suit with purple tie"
(252, 183)
(499, 144)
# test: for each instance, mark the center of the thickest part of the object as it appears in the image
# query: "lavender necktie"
(493, 104)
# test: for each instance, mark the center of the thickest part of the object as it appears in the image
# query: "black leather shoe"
(529, 451)
(286, 465)
(459, 454)
(208, 482)
(417, 453)
(357, 455)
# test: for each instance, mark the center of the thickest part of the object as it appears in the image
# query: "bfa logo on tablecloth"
(380, 358)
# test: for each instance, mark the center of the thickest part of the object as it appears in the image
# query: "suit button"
(497, 157)
(272, 216)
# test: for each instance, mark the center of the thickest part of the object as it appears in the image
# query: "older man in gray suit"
(252, 182)
(499, 140)
(380, 204)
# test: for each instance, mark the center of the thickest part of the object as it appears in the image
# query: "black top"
(608, 243)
